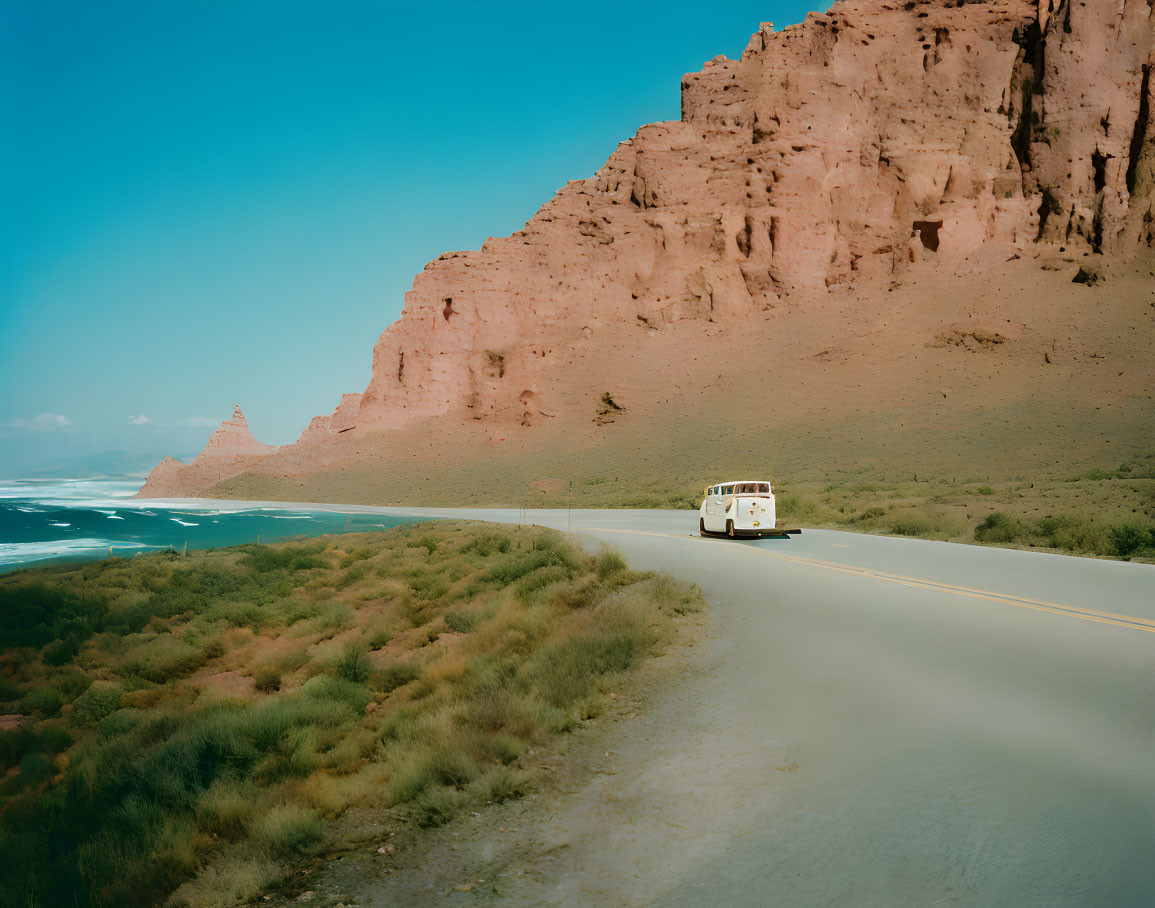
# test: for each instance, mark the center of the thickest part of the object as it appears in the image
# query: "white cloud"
(43, 422)
(202, 422)
(141, 420)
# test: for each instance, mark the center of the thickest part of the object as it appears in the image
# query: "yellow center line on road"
(1038, 605)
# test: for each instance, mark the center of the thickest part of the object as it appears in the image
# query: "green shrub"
(581, 593)
(288, 830)
(352, 575)
(998, 527)
(485, 544)
(230, 880)
(120, 723)
(409, 783)
(42, 699)
(14, 744)
(291, 660)
(428, 587)
(236, 614)
(429, 543)
(356, 555)
(511, 569)
(609, 561)
(507, 785)
(9, 690)
(452, 766)
(462, 622)
(540, 579)
(675, 595)
(265, 559)
(1091, 475)
(161, 658)
(334, 617)
(794, 507)
(394, 675)
(53, 739)
(567, 672)
(220, 593)
(35, 768)
(61, 651)
(353, 665)
(267, 679)
(38, 614)
(338, 690)
(912, 526)
(95, 704)
(71, 681)
(225, 808)
(129, 615)
(378, 638)
(1072, 534)
(1130, 537)
(435, 807)
(213, 647)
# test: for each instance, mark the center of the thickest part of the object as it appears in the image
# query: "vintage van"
(740, 508)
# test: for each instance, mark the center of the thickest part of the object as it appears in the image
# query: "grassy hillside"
(188, 728)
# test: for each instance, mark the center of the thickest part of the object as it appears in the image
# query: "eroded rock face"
(340, 420)
(169, 477)
(233, 439)
(230, 450)
(835, 151)
(832, 151)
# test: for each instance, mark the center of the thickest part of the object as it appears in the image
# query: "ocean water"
(82, 519)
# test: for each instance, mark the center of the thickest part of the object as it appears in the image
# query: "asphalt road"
(874, 721)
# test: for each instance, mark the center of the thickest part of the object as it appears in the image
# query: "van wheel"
(701, 526)
(730, 528)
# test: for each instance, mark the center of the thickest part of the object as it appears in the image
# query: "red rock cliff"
(833, 151)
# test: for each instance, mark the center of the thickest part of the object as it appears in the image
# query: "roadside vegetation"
(187, 729)
(1107, 513)
(1104, 513)
(1097, 512)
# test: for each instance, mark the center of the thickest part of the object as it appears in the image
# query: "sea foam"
(21, 552)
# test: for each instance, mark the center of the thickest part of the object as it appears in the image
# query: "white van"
(741, 508)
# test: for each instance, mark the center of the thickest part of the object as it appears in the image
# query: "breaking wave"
(12, 553)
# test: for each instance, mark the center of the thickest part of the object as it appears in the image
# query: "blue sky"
(211, 202)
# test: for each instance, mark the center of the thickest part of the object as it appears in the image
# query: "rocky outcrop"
(169, 477)
(833, 152)
(341, 420)
(230, 450)
(232, 440)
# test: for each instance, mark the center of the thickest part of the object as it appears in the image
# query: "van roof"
(734, 482)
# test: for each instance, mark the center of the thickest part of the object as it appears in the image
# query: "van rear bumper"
(740, 533)
(775, 531)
